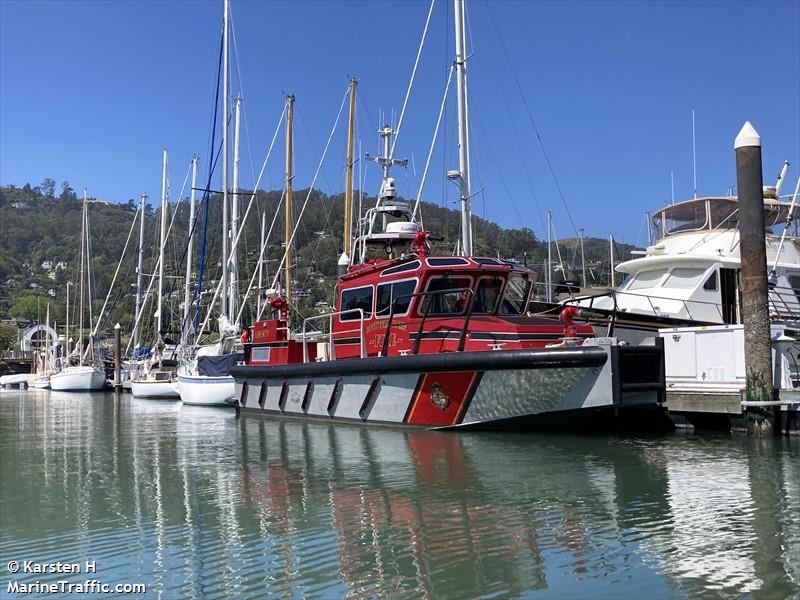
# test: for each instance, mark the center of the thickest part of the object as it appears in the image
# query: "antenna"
(672, 183)
(694, 159)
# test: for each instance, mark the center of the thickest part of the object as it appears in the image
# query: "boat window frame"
(375, 313)
(443, 276)
(344, 311)
(631, 286)
(715, 277)
(525, 300)
(503, 282)
(696, 279)
(457, 261)
(413, 265)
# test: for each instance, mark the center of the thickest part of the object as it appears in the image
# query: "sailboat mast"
(583, 261)
(348, 173)
(83, 246)
(463, 137)
(142, 204)
(161, 242)
(187, 298)
(225, 233)
(262, 259)
(549, 270)
(611, 257)
(234, 269)
(47, 339)
(288, 201)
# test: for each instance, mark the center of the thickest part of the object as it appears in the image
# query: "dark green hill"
(40, 248)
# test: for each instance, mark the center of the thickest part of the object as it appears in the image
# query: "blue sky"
(91, 92)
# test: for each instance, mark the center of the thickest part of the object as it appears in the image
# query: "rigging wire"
(533, 121)
(411, 81)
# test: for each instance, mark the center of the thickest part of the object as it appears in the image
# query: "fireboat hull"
(517, 389)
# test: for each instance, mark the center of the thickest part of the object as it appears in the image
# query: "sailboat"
(45, 363)
(204, 372)
(83, 376)
(153, 380)
(441, 341)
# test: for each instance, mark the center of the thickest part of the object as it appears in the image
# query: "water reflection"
(198, 504)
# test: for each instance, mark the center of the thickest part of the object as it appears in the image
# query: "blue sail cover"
(218, 366)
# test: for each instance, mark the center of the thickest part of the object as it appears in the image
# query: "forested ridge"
(40, 250)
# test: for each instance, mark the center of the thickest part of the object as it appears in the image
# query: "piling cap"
(748, 137)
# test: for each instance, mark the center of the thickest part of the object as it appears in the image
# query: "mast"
(261, 261)
(142, 204)
(47, 339)
(463, 137)
(223, 308)
(187, 298)
(80, 312)
(611, 255)
(288, 202)
(161, 242)
(583, 261)
(549, 271)
(233, 292)
(66, 337)
(348, 177)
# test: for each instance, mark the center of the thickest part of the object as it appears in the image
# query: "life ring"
(245, 336)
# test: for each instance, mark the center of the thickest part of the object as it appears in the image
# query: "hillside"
(40, 248)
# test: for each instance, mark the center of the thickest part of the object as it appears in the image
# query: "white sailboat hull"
(154, 389)
(206, 391)
(78, 379)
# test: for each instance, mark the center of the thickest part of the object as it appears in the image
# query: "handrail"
(415, 349)
(332, 343)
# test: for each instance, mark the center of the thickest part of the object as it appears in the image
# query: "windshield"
(515, 298)
(646, 279)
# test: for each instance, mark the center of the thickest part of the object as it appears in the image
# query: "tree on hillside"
(26, 307)
(67, 193)
(48, 187)
(8, 336)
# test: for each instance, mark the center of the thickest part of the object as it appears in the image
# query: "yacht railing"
(655, 310)
(328, 337)
(415, 349)
(784, 302)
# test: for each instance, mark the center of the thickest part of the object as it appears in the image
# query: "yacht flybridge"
(438, 341)
(691, 274)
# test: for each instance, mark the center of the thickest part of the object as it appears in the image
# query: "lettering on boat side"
(438, 398)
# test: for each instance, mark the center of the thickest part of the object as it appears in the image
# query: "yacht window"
(487, 261)
(397, 293)
(446, 261)
(487, 294)
(354, 299)
(711, 283)
(409, 266)
(259, 354)
(683, 278)
(515, 298)
(724, 214)
(452, 296)
(689, 216)
(794, 282)
(646, 279)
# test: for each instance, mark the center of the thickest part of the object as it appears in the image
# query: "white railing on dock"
(321, 336)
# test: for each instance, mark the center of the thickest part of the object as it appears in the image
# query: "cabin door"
(730, 299)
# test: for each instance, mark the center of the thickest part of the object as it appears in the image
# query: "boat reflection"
(197, 503)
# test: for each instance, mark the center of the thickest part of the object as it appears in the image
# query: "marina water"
(195, 503)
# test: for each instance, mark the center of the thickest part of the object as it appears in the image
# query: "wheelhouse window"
(724, 214)
(646, 279)
(446, 296)
(396, 294)
(690, 216)
(447, 261)
(487, 294)
(354, 299)
(515, 298)
(711, 284)
(409, 266)
(683, 278)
